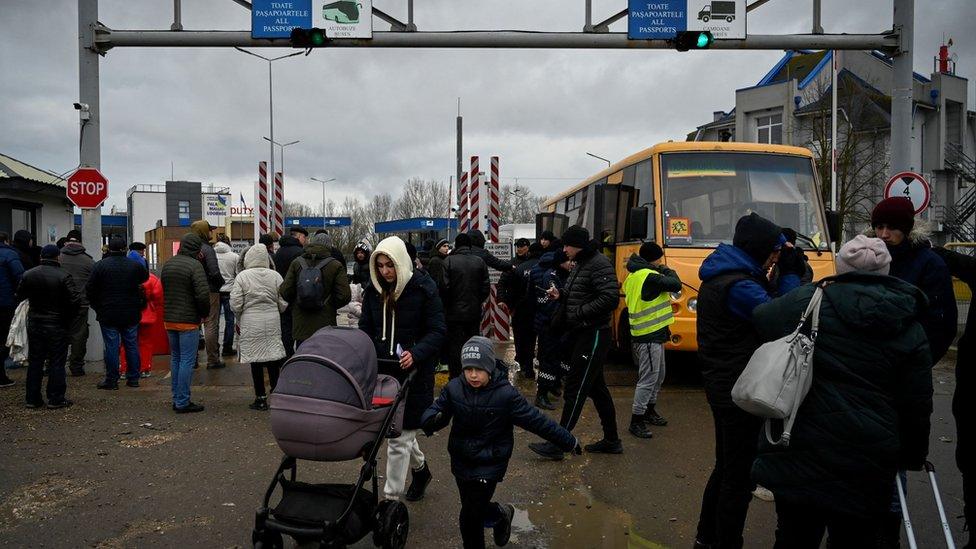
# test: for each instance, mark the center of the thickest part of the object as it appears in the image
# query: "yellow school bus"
(687, 197)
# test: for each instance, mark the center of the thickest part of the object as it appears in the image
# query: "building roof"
(11, 167)
(415, 224)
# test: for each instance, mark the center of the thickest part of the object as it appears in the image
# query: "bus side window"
(644, 183)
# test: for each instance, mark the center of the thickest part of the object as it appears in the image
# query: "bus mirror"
(638, 223)
(833, 225)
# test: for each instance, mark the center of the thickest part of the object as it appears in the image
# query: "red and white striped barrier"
(474, 196)
(494, 214)
(464, 217)
(261, 211)
(279, 204)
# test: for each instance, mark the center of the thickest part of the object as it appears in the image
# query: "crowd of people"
(886, 318)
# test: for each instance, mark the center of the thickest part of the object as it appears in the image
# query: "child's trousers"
(477, 511)
(402, 454)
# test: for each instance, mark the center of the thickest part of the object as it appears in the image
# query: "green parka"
(306, 322)
(867, 412)
(186, 294)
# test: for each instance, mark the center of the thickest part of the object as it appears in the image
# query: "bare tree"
(294, 208)
(862, 133)
(420, 198)
(518, 204)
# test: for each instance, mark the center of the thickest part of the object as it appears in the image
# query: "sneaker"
(6, 382)
(418, 486)
(144, 375)
(189, 409)
(216, 366)
(639, 429)
(502, 531)
(542, 401)
(605, 447)
(763, 494)
(55, 404)
(108, 385)
(228, 352)
(34, 405)
(132, 383)
(260, 404)
(547, 450)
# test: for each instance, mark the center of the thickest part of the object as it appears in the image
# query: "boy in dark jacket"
(551, 272)
(647, 289)
(484, 407)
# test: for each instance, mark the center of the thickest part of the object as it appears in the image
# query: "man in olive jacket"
(586, 306)
(307, 321)
(76, 261)
(186, 301)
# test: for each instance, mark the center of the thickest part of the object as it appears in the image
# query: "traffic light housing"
(693, 40)
(308, 38)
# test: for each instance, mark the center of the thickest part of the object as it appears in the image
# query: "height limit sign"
(912, 186)
(663, 19)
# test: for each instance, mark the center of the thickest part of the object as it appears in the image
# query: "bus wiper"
(812, 243)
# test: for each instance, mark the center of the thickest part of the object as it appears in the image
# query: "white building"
(791, 105)
(35, 200)
(175, 204)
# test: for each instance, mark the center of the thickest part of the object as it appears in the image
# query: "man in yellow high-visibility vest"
(647, 291)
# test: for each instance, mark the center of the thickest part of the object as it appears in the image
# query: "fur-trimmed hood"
(921, 234)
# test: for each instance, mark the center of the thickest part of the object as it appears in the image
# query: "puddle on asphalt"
(573, 518)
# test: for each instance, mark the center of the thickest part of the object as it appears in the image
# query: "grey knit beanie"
(864, 254)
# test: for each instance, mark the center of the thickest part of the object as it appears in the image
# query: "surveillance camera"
(83, 107)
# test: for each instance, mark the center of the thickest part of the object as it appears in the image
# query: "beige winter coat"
(257, 305)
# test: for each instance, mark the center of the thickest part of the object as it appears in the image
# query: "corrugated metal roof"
(11, 167)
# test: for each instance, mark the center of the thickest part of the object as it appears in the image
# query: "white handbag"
(778, 375)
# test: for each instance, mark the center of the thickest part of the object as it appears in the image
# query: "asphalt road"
(120, 469)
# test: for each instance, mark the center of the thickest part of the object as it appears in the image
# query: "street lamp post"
(281, 151)
(323, 182)
(270, 106)
(599, 158)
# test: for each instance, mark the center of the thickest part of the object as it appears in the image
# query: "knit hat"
(74, 234)
(137, 257)
(547, 235)
(138, 246)
(462, 239)
(116, 244)
(521, 242)
(478, 352)
(266, 239)
(757, 236)
(650, 251)
(864, 253)
(896, 212)
(322, 239)
(411, 250)
(440, 243)
(576, 237)
(50, 251)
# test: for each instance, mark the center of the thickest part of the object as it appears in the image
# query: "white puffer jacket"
(227, 261)
(257, 305)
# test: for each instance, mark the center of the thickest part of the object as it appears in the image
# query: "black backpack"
(311, 293)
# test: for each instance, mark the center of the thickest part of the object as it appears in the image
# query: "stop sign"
(87, 188)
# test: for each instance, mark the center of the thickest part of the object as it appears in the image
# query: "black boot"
(890, 533)
(421, 478)
(542, 400)
(638, 428)
(651, 417)
(605, 447)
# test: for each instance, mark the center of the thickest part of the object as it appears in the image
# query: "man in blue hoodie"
(734, 282)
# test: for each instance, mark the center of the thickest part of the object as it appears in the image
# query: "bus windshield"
(706, 193)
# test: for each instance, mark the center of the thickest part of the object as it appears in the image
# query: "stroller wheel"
(392, 525)
(267, 540)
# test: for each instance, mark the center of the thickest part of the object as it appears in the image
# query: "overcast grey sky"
(372, 118)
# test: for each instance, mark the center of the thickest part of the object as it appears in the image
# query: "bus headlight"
(675, 296)
(693, 305)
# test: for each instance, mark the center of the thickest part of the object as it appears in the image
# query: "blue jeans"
(183, 348)
(113, 337)
(228, 320)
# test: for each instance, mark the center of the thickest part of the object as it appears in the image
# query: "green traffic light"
(703, 40)
(317, 38)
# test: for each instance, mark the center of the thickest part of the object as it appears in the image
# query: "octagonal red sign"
(87, 188)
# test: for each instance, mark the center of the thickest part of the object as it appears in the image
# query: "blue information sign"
(277, 18)
(656, 19)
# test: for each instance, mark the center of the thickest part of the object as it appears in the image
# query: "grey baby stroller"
(330, 405)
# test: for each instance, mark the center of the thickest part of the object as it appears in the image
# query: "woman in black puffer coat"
(402, 313)
(867, 413)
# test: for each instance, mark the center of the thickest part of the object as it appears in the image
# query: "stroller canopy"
(349, 372)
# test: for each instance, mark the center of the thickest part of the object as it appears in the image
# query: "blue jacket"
(744, 295)
(914, 262)
(11, 271)
(482, 437)
(544, 274)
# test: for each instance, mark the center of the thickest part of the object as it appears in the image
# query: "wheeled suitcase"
(909, 531)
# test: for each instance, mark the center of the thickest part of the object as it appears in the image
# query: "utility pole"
(457, 174)
(901, 86)
(90, 146)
